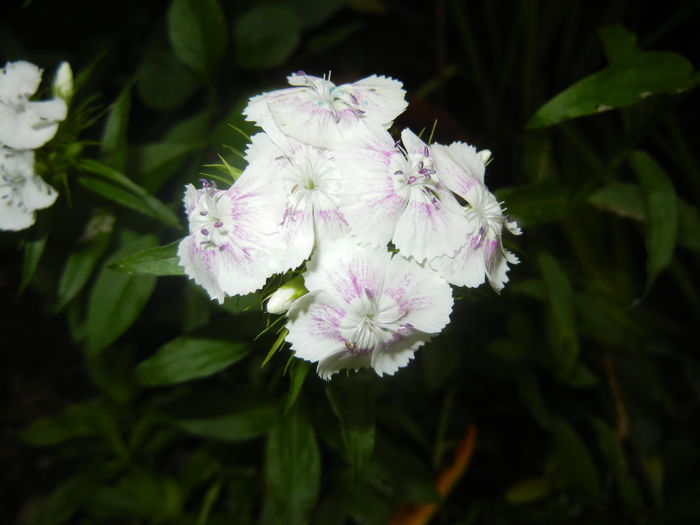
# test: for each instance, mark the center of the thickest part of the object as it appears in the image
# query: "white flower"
(318, 112)
(393, 193)
(21, 190)
(26, 124)
(233, 245)
(482, 255)
(365, 308)
(311, 182)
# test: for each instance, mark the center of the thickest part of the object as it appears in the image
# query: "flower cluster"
(380, 227)
(26, 125)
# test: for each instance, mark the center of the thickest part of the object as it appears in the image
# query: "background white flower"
(365, 308)
(318, 112)
(21, 190)
(26, 124)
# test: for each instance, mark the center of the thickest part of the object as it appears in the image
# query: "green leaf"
(561, 307)
(116, 186)
(160, 260)
(266, 36)
(528, 490)
(197, 31)
(577, 466)
(621, 84)
(662, 212)
(619, 43)
(163, 83)
(292, 471)
(352, 400)
(688, 226)
(312, 13)
(116, 300)
(297, 376)
(246, 424)
(187, 358)
(33, 250)
(75, 420)
(155, 163)
(537, 203)
(83, 259)
(114, 142)
(621, 198)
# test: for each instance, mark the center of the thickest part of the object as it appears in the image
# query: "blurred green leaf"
(116, 300)
(118, 187)
(619, 43)
(187, 358)
(292, 471)
(156, 162)
(32, 252)
(113, 146)
(265, 36)
(654, 470)
(312, 13)
(572, 456)
(688, 226)
(621, 84)
(162, 82)
(621, 198)
(198, 35)
(661, 210)
(352, 400)
(239, 304)
(76, 420)
(537, 203)
(528, 490)
(297, 375)
(81, 263)
(160, 260)
(560, 296)
(140, 493)
(246, 424)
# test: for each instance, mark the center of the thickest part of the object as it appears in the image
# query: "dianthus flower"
(365, 308)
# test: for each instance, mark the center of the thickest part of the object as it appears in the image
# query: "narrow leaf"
(116, 301)
(662, 212)
(352, 400)
(577, 466)
(161, 260)
(247, 424)
(187, 358)
(33, 250)
(114, 137)
(292, 471)
(296, 380)
(621, 198)
(623, 83)
(561, 307)
(198, 35)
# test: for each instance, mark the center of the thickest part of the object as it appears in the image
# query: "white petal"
(389, 360)
(466, 268)
(421, 293)
(342, 360)
(19, 79)
(201, 265)
(38, 194)
(380, 98)
(50, 110)
(370, 201)
(313, 326)
(27, 129)
(459, 167)
(430, 226)
(297, 234)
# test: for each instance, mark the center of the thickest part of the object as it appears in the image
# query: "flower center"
(211, 220)
(414, 172)
(486, 212)
(311, 180)
(370, 322)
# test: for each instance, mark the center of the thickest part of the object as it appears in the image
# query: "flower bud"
(282, 298)
(485, 156)
(63, 81)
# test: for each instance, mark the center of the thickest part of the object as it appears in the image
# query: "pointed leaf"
(621, 84)
(187, 358)
(160, 260)
(661, 210)
(292, 471)
(114, 137)
(246, 424)
(577, 466)
(197, 31)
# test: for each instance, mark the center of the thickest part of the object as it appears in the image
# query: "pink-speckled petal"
(459, 167)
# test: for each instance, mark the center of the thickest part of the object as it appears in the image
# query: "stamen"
(204, 231)
(218, 224)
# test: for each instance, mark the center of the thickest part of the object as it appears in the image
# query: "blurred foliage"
(133, 399)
